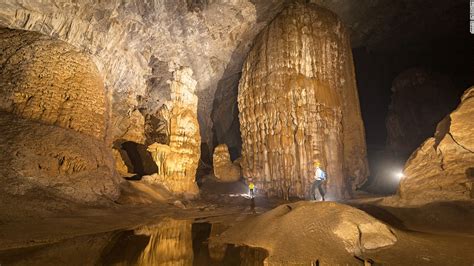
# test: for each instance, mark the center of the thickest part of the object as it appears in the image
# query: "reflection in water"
(174, 242)
(170, 242)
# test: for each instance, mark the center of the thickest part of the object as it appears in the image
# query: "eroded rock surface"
(53, 119)
(442, 167)
(48, 80)
(64, 163)
(303, 232)
(298, 103)
(224, 169)
(177, 162)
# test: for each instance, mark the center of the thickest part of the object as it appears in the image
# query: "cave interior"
(194, 132)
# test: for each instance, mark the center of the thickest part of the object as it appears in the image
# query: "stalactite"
(178, 161)
(298, 103)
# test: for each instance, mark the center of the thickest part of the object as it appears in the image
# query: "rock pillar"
(298, 103)
(178, 161)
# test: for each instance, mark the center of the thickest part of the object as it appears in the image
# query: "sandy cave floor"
(436, 234)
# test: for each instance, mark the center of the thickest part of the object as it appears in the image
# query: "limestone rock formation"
(178, 161)
(298, 103)
(38, 159)
(442, 167)
(224, 169)
(303, 232)
(170, 243)
(420, 100)
(50, 81)
(53, 118)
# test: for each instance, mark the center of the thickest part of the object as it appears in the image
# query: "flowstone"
(298, 103)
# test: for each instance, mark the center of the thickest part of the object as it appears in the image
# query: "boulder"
(304, 232)
(441, 168)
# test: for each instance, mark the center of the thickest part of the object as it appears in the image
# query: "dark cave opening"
(137, 159)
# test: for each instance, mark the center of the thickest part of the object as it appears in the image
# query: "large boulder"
(441, 169)
(304, 232)
(64, 163)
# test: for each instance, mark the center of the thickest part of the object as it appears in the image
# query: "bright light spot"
(399, 175)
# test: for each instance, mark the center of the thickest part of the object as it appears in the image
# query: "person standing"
(251, 189)
(319, 178)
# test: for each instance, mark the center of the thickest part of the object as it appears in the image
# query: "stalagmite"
(178, 161)
(298, 103)
(224, 169)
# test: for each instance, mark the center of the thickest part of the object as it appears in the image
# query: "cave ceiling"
(137, 43)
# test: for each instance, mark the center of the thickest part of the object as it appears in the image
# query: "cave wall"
(47, 80)
(441, 169)
(136, 45)
(298, 103)
(421, 98)
(54, 117)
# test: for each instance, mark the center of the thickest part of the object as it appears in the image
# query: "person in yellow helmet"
(251, 188)
(319, 178)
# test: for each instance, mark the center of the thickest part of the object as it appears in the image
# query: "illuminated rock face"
(224, 169)
(53, 117)
(442, 167)
(170, 243)
(298, 102)
(48, 80)
(178, 161)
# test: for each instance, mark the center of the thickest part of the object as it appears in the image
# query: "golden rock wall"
(441, 169)
(177, 162)
(298, 102)
(47, 80)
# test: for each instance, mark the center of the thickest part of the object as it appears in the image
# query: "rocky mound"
(65, 163)
(306, 232)
(441, 169)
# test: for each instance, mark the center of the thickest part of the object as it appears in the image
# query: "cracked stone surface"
(442, 167)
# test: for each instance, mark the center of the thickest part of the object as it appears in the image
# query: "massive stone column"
(178, 161)
(298, 103)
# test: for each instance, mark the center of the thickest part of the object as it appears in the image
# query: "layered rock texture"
(298, 103)
(177, 161)
(420, 99)
(442, 167)
(224, 169)
(48, 80)
(53, 115)
(303, 232)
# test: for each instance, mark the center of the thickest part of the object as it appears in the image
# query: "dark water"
(170, 242)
